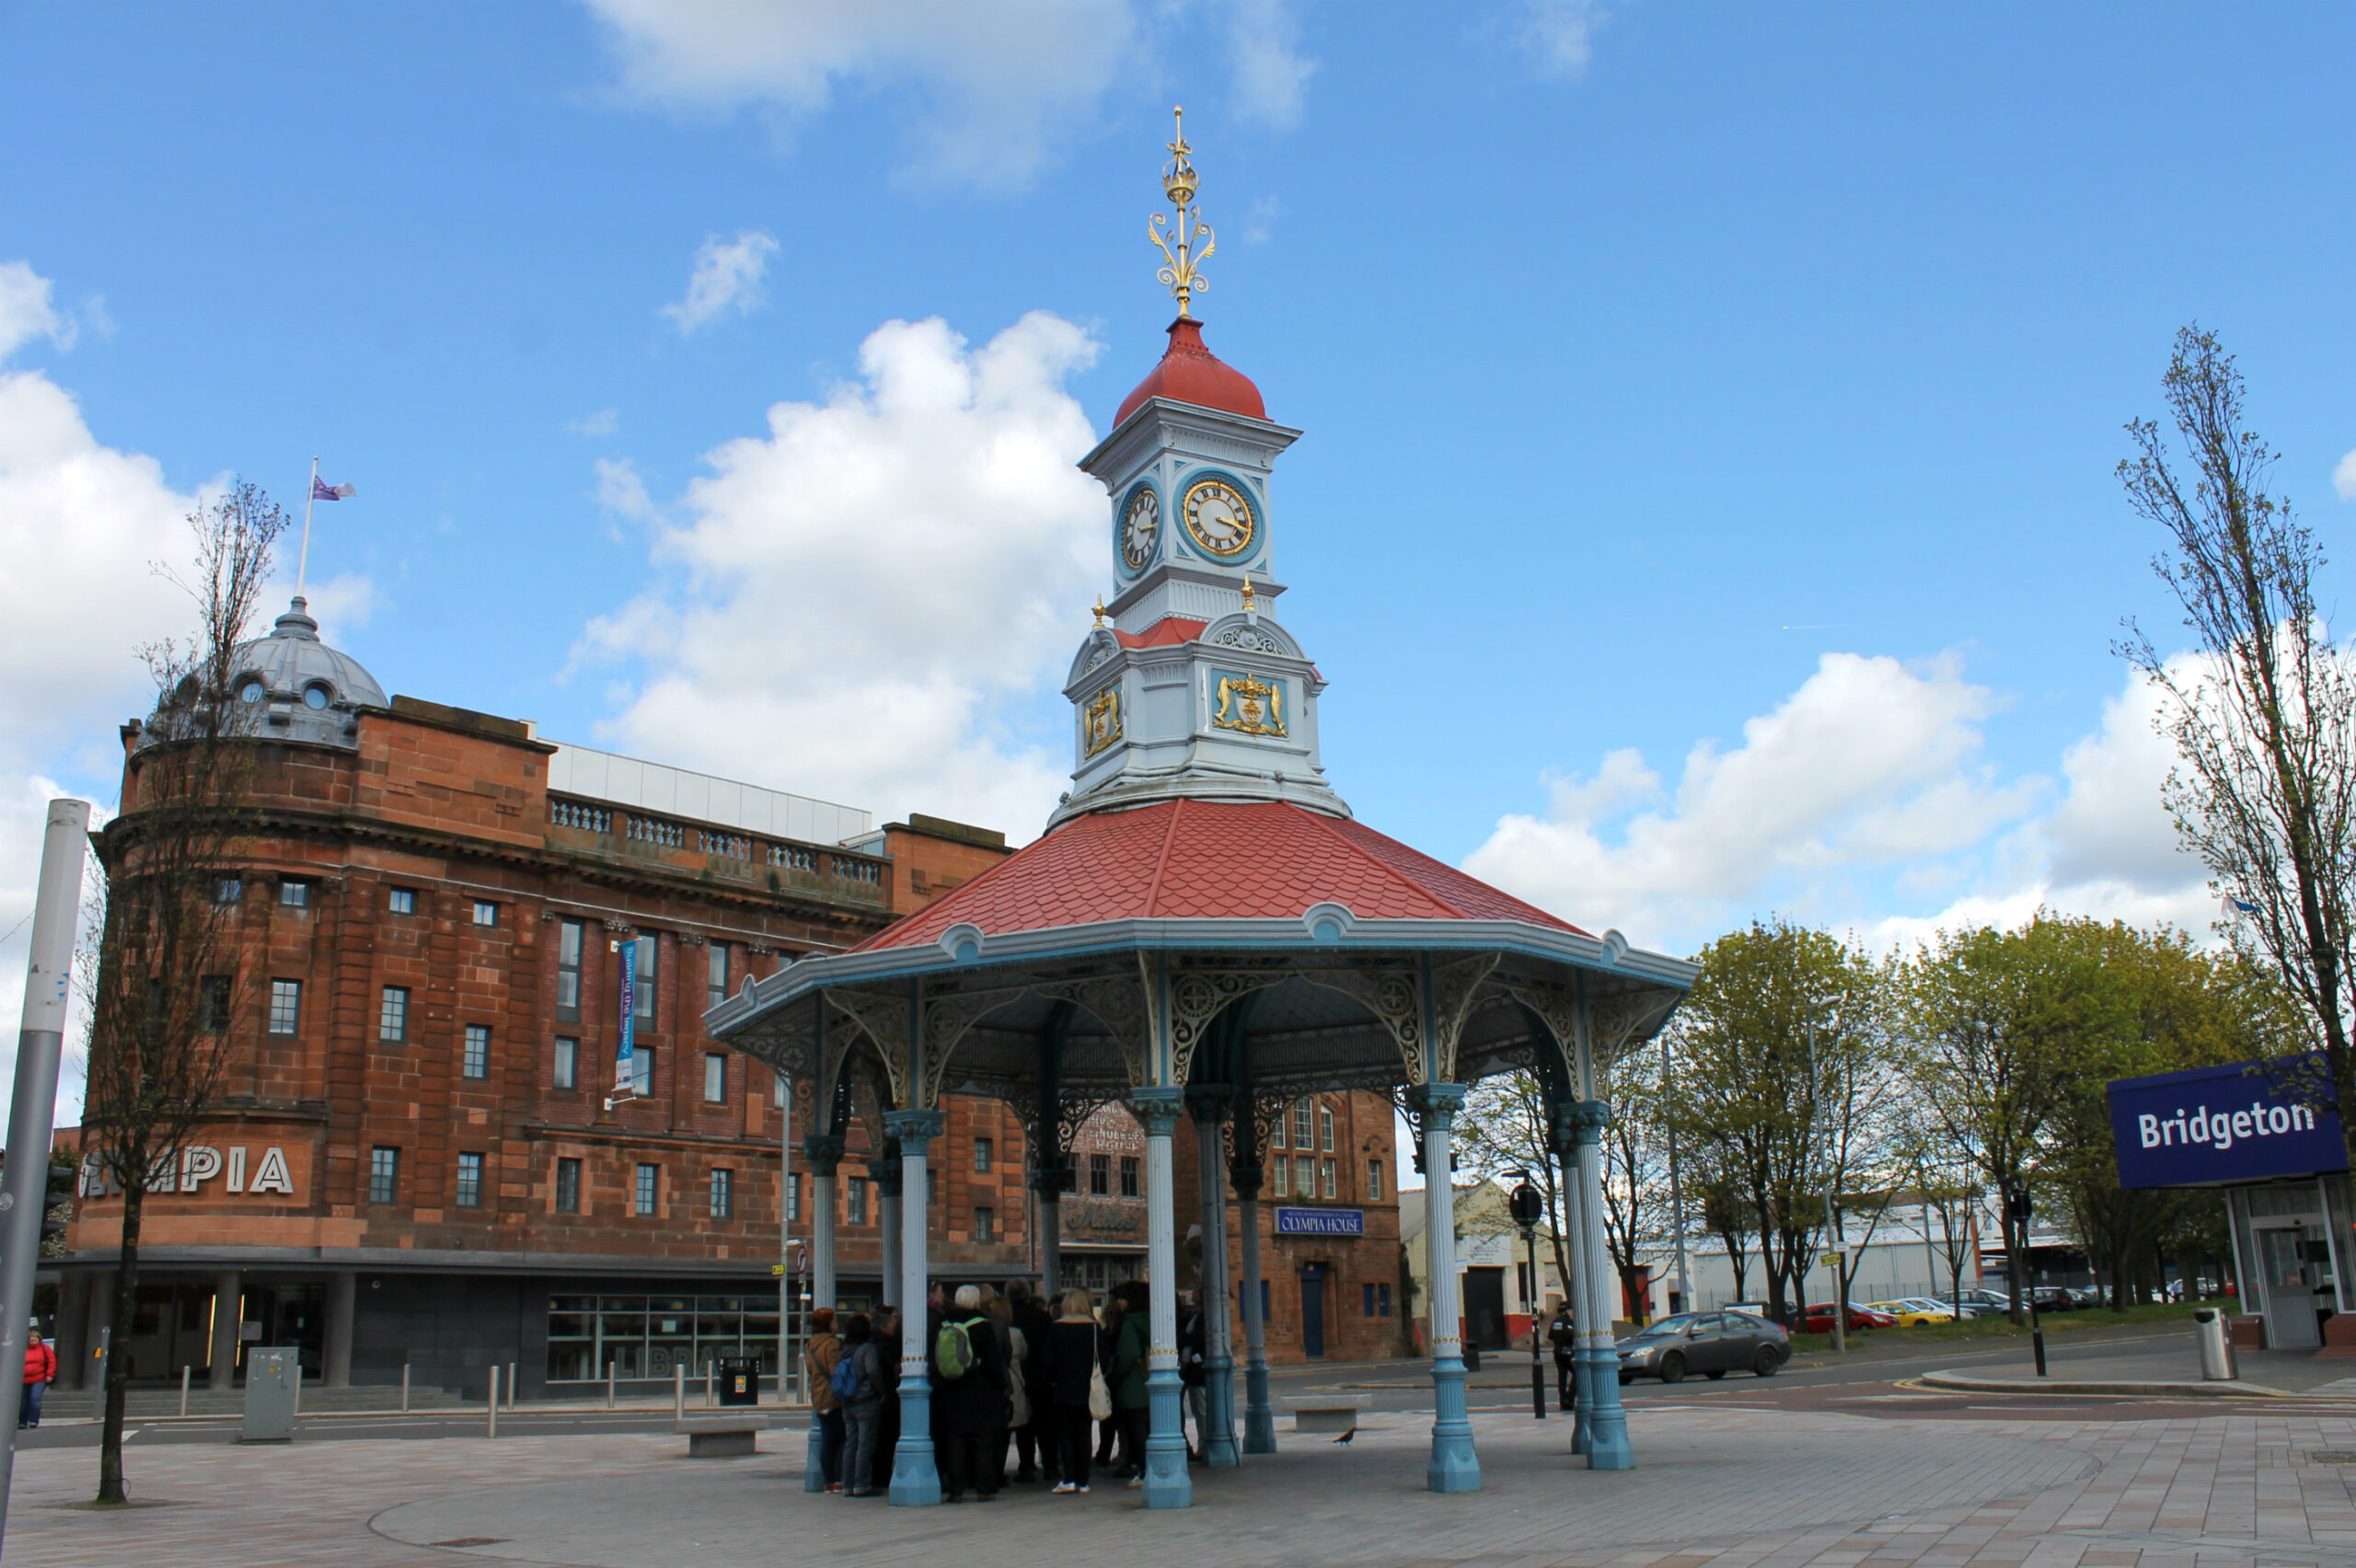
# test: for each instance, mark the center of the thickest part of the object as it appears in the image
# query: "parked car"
(2085, 1295)
(1913, 1311)
(2052, 1298)
(1713, 1343)
(1819, 1320)
(1976, 1303)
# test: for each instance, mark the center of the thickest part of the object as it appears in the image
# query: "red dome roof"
(1202, 859)
(1190, 372)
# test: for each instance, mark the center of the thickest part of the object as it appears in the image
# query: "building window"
(1264, 1301)
(568, 1063)
(228, 890)
(981, 1157)
(715, 989)
(855, 1201)
(401, 900)
(1129, 1175)
(1302, 1133)
(285, 1006)
(645, 1008)
(776, 1089)
(469, 1181)
(392, 1014)
(931, 1187)
(793, 1199)
(715, 1077)
(384, 1175)
(1325, 1128)
(486, 912)
(1374, 1181)
(1276, 1132)
(985, 1225)
(475, 1063)
(723, 1193)
(1329, 1188)
(1377, 1300)
(1100, 1175)
(1280, 1176)
(295, 894)
(568, 970)
(213, 1005)
(642, 1069)
(649, 1178)
(567, 1186)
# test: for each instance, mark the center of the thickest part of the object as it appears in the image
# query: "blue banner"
(2213, 1125)
(1321, 1222)
(625, 1060)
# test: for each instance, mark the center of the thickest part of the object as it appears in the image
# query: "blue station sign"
(2213, 1125)
(1321, 1222)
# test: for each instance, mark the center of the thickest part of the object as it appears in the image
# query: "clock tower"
(1194, 689)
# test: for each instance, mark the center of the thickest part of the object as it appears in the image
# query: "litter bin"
(1472, 1356)
(2213, 1332)
(740, 1380)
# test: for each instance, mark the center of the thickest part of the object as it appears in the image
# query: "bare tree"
(1635, 1174)
(168, 983)
(2263, 713)
(1504, 1126)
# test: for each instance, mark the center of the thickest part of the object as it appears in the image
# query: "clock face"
(1140, 526)
(1218, 518)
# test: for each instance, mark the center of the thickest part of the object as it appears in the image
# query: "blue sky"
(1706, 505)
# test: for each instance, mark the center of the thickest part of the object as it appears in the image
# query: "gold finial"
(1100, 609)
(1196, 241)
(1251, 604)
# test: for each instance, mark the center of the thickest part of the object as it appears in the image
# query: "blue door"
(1312, 1313)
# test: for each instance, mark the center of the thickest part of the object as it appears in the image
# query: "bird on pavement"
(1346, 1436)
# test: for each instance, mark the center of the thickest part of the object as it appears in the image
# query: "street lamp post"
(1527, 1206)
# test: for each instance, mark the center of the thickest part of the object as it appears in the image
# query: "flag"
(322, 491)
(2229, 908)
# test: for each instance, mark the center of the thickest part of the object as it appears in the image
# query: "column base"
(1609, 1448)
(814, 1461)
(1167, 1484)
(916, 1475)
(1259, 1416)
(1455, 1466)
(1220, 1451)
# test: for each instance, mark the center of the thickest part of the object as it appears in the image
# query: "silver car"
(1713, 1343)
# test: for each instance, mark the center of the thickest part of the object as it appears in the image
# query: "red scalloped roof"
(1190, 372)
(1203, 860)
(1166, 632)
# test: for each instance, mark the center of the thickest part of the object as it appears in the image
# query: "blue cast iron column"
(1209, 1108)
(1598, 1363)
(916, 1477)
(885, 1174)
(1259, 1418)
(1167, 1484)
(1454, 1466)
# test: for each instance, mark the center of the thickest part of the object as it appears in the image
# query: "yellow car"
(1912, 1312)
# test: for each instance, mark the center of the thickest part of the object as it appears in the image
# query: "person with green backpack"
(970, 1393)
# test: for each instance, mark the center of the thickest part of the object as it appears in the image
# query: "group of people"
(1057, 1380)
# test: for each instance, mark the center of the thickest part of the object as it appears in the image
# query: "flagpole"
(310, 499)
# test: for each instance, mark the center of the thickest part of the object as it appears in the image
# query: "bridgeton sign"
(2214, 1125)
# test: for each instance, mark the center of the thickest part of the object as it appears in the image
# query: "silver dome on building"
(295, 687)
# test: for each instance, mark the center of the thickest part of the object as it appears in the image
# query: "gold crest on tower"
(1249, 705)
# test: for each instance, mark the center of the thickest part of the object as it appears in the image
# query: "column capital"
(1054, 1176)
(885, 1174)
(914, 1129)
(1436, 1102)
(1157, 1108)
(1580, 1121)
(1209, 1102)
(823, 1152)
(1245, 1176)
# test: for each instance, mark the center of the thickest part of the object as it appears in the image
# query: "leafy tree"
(169, 988)
(2263, 711)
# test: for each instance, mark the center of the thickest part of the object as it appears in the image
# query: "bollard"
(404, 1388)
(183, 1390)
(678, 1390)
(298, 1387)
(708, 1372)
(511, 1385)
(494, 1399)
(609, 1385)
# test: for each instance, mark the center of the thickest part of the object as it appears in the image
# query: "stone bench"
(724, 1436)
(1327, 1412)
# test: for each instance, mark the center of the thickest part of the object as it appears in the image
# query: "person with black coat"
(1563, 1335)
(1034, 1442)
(1077, 1352)
(971, 1405)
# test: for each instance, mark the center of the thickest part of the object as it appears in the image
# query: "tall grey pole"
(1676, 1193)
(24, 1183)
(784, 1237)
(1832, 1245)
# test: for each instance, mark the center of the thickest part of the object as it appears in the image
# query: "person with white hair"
(969, 1391)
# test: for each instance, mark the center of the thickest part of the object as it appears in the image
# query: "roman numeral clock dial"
(1140, 526)
(1218, 518)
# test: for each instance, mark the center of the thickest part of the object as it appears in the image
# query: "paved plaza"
(1720, 1485)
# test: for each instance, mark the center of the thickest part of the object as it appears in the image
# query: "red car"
(1819, 1318)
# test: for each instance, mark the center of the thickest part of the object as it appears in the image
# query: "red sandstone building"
(420, 1157)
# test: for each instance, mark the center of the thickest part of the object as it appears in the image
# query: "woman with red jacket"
(40, 1371)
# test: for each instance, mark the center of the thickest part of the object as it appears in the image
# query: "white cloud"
(1559, 35)
(864, 593)
(620, 491)
(1260, 220)
(26, 312)
(596, 426)
(727, 276)
(1871, 763)
(992, 86)
(1271, 76)
(2343, 478)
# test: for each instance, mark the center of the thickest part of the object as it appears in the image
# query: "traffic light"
(2017, 1207)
